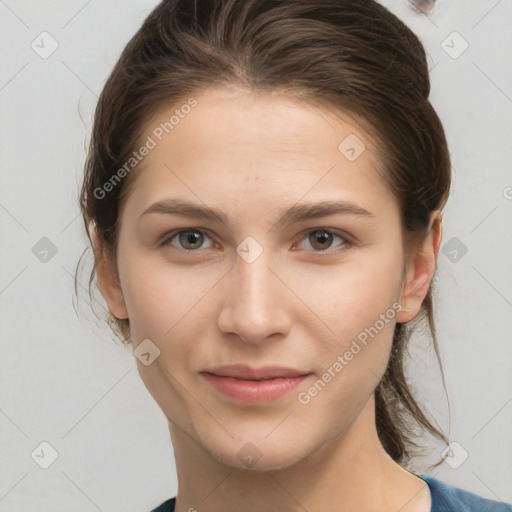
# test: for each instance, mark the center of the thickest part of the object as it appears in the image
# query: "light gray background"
(65, 382)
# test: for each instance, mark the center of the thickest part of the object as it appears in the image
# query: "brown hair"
(350, 54)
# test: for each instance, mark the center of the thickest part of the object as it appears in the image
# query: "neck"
(351, 471)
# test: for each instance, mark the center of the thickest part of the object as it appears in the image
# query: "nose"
(255, 301)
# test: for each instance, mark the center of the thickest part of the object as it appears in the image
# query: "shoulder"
(166, 506)
(447, 498)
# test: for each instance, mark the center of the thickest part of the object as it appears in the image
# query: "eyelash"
(346, 241)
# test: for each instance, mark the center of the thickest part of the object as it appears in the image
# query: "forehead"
(256, 122)
(232, 142)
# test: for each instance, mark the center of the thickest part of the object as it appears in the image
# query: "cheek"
(354, 310)
(352, 297)
(161, 298)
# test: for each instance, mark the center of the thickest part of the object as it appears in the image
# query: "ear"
(419, 271)
(107, 278)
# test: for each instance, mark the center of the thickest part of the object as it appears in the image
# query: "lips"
(244, 372)
(250, 385)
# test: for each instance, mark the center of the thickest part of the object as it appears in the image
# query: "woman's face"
(269, 280)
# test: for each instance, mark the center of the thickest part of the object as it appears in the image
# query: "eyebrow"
(293, 215)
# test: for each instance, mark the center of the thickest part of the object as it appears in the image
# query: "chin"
(257, 455)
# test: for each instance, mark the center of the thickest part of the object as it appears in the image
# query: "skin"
(254, 156)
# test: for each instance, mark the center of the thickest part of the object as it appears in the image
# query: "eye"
(322, 239)
(188, 239)
(191, 239)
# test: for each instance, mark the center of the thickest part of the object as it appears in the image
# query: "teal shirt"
(445, 498)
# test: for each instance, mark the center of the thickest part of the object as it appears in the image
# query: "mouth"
(250, 385)
(244, 372)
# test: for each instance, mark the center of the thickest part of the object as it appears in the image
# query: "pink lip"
(254, 384)
(252, 391)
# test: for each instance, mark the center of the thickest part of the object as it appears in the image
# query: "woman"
(263, 192)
